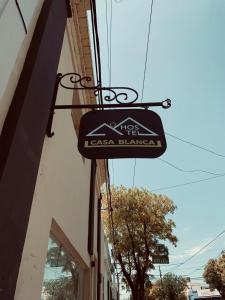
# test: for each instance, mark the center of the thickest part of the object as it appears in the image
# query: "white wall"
(14, 45)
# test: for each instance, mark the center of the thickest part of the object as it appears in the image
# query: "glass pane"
(62, 272)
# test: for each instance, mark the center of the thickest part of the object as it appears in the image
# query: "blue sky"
(186, 63)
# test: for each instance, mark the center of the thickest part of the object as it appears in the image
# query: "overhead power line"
(186, 183)
(203, 266)
(200, 250)
(99, 76)
(109, 38)
(110, 43)
(112, 166)
(145, 68)
(107, 33)
(194, 145)
(187, 171)
(197, 269)
(147, 49)
(96, 46)
(134, 173)
(109, 48)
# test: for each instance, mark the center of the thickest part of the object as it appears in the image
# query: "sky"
(186, 63)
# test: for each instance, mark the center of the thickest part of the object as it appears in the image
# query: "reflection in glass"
(62, 272)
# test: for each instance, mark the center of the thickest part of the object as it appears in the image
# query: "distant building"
(198, 291)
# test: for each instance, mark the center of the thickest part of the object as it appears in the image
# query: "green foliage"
(66, 286)
(59, 289)
(140, 223)
(171, 287)
(214, 274)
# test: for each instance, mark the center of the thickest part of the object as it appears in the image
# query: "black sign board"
(161, 255)
(160, 259)
(161, 249)
(122, 133)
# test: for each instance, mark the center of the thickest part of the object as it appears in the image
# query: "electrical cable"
(147, 49)
(109, 196)
(108, 190)
(109, 49)
(145, 68)
(21, 16)
(109, 40)
(203, 266)
(185, 252)
(199, 251)
(110, 45)
(197, 269)
(94, 44)
(107, 33)
(98, 62)
(95, 27)
(186, 183)
(109, 201)
(95, 50)
(134, 172)
(113, 178)
(194, 145)
(188, 171)
(110, 211)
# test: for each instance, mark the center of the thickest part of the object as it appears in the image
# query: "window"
(63, 276)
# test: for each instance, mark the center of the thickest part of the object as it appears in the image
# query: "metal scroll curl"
(74, 81)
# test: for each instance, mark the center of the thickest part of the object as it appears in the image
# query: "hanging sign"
(122, 133)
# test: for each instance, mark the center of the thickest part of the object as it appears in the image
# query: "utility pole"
(118, 286)
(160, 274)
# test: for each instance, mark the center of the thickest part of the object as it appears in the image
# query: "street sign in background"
(161, 255)
(122, 133)
(160, 259)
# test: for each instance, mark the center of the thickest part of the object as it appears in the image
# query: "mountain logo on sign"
(129, 126)
(103, 130)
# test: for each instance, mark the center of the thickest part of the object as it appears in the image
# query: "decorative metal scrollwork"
(74, 81)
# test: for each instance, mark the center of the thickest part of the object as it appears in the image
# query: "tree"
(138, 225)
(214, 274)
(170, 287)
(64, 287)
(59, 289)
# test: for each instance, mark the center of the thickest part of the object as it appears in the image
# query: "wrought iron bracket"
(73, 81)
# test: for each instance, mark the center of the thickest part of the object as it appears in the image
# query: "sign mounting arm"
(74, 81)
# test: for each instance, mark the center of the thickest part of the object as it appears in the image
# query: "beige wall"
(62, 193)
(63, 182)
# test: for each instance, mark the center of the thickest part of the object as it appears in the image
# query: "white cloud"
(189, 252)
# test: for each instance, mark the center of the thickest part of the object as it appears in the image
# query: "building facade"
(52, 244)
(197, 291)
